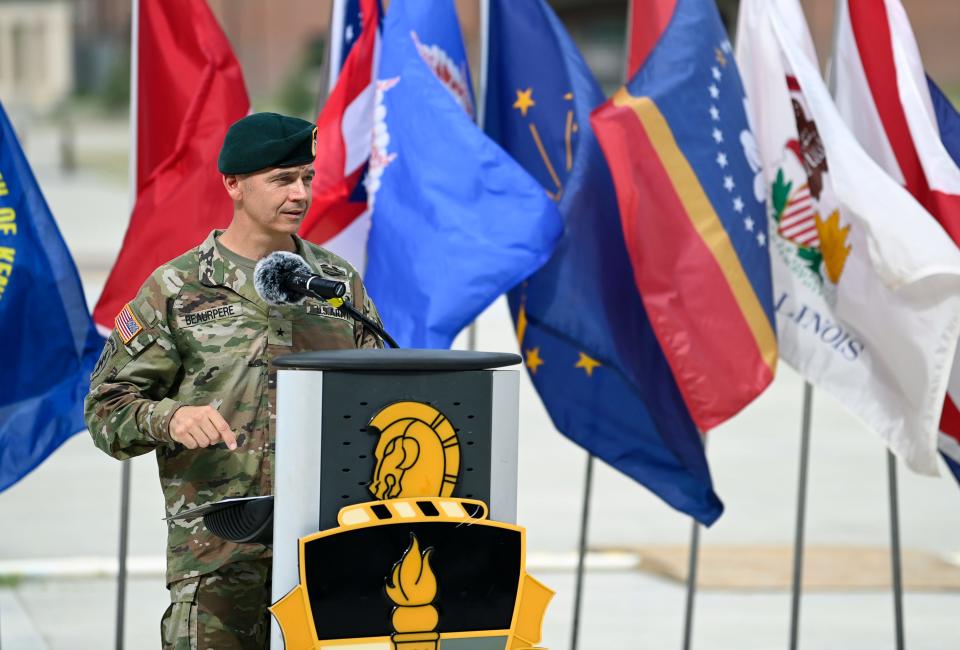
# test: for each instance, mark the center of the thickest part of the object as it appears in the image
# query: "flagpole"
(692, 566)
(581, 553)
(338, 12)
(588, 477)
(798, 541)
(472, 330)
(125, 465)
(895, 556)
(330, 70)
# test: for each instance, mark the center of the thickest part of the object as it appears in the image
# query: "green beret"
(266, 140)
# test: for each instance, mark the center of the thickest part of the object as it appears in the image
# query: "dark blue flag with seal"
(47, 339)
(588, 344)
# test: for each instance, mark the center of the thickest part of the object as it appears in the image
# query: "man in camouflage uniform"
(186, 373)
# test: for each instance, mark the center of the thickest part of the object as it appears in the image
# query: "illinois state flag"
(189, 91)
(47, 341)
(884, 97)
(456, 221)
(585, 336)
(692, 210)
(867, 284)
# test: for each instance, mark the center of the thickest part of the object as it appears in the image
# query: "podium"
(359, 426)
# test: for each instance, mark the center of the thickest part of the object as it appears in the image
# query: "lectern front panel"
(348, 455)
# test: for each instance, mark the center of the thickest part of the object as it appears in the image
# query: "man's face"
(278, 198)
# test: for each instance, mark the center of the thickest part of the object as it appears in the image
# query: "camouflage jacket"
(197, 333)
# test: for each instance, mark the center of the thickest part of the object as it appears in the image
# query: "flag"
(691, 201)
(456, 221)
(948, 120)
(883, 95)
(338, 218)
(49, 345)
(871, 311)
(189, 91)
(948, 123)
(583, 331)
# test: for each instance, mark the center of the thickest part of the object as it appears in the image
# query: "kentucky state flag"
(456, 221)
(47, 340)
(589, 347)
(691, 197)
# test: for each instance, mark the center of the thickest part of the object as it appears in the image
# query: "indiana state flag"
(456, 222)
(589, 346)
(47, 340)
(691, 195)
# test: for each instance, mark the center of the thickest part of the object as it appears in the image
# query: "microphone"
(283, 278)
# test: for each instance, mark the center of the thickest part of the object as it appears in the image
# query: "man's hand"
(200, 426)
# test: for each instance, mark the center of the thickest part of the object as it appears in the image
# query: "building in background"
(36, 54)
(51, 48)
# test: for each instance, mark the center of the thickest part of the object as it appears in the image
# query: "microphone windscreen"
(269, 277)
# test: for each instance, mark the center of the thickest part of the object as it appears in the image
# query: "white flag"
(882, 93)
(866, 283)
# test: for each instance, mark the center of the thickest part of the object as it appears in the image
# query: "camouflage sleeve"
(362, 335)
(126, 410)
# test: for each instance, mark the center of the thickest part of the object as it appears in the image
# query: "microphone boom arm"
(346, 306)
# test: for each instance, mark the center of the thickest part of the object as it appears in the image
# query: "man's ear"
(233, 185)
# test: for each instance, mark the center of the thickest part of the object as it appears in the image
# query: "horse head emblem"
(418, 454)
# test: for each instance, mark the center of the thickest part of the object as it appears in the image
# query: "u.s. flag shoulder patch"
(127, 324)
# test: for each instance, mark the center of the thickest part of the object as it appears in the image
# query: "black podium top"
(397, 359)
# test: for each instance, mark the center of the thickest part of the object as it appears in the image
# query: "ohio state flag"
(885, 97)
(866, 284)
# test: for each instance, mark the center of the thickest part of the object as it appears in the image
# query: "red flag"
(190, 90)
(648, 21)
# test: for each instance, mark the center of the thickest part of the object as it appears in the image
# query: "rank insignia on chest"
(127, 324)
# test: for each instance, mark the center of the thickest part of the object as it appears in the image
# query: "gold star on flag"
(521, 324)
(587, 363)
(533, 360)
(524, 101)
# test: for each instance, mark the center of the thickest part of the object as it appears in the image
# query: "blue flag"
(456, 221)
(588, 344)
(47, 340)
(948, 121)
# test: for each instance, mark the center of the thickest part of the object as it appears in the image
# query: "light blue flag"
(456, 221)
(48, 344)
